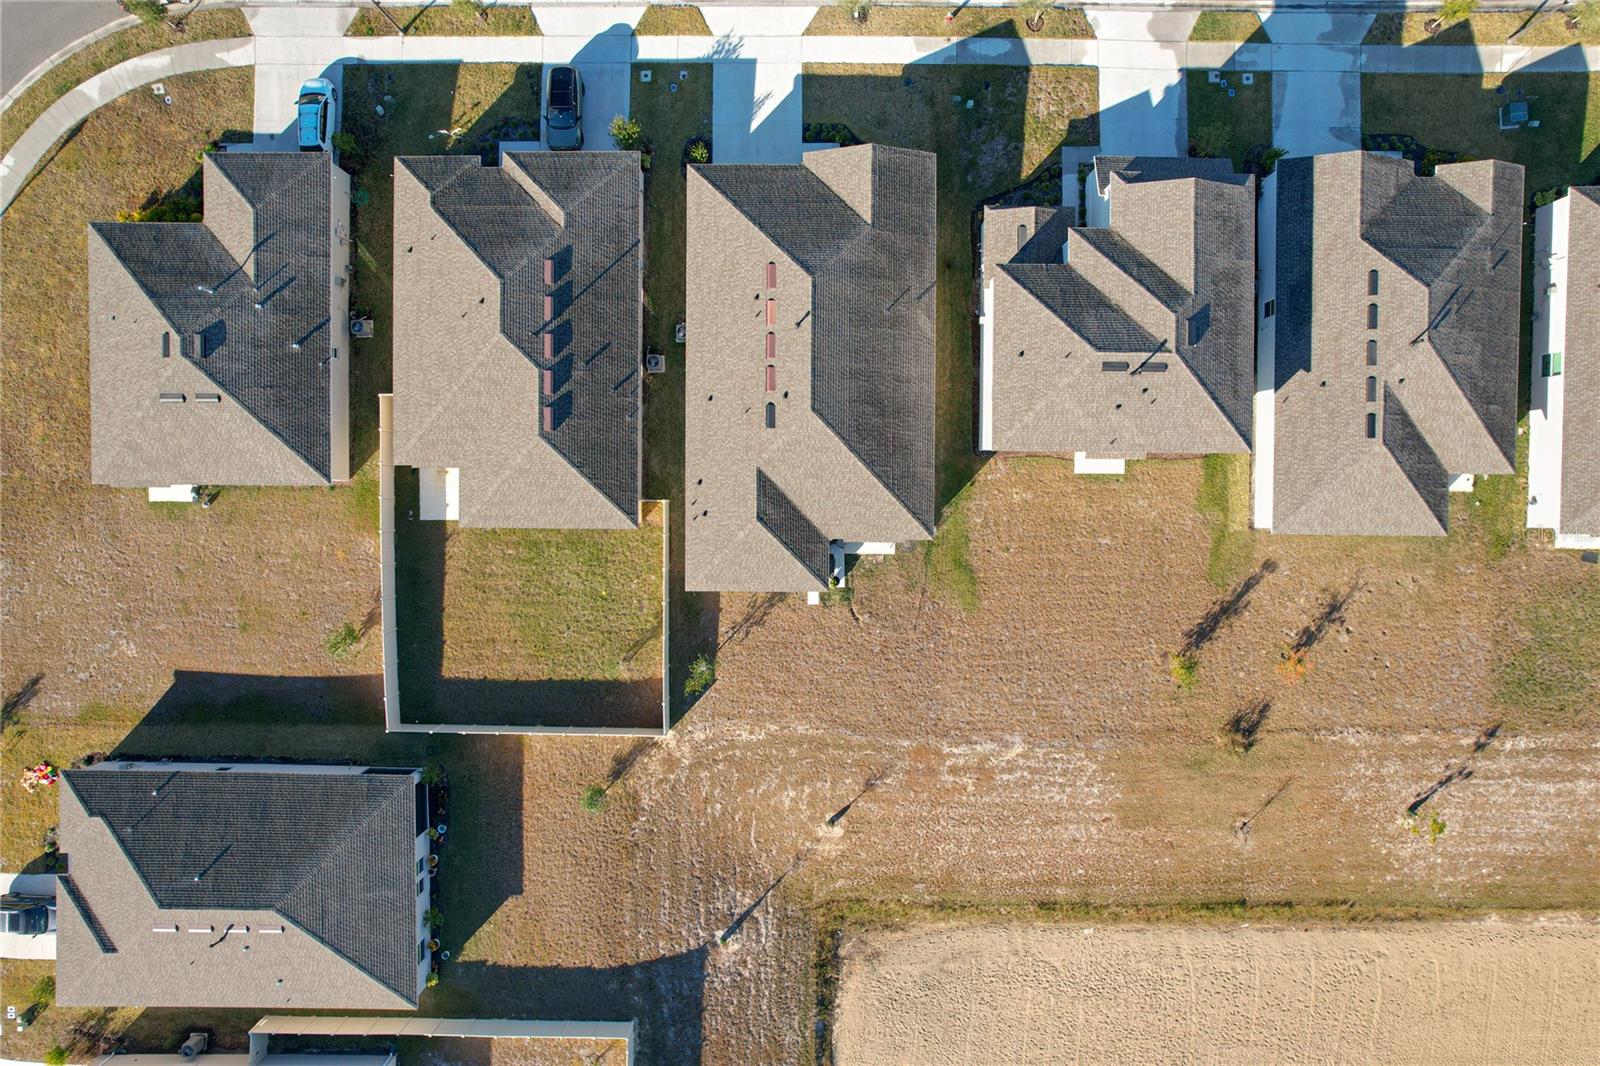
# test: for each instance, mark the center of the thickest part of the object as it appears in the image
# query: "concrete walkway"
(63, 115)
(759, 52)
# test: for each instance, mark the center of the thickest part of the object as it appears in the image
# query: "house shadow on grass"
(429, 696)
(664, 996)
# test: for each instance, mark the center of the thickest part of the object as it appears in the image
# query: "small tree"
(476, 8)
(44, 991)
(1293, 663)
(149, 12)
(1185, 670)
(342, 641)
(1584, 15)
(594, 798)
(702, 672)
(856, 9)
(626, 134)
(1034, 11)
(1451, 11)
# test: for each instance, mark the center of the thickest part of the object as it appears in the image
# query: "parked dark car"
(28, 915)
(563, 109)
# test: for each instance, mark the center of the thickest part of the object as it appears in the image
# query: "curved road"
(31, 31)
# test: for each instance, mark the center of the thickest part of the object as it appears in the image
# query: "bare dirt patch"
(1414, 993)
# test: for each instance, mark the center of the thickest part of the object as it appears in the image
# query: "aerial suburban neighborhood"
(852, 534)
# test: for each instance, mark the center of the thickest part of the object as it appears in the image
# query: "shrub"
(344, 141)
(699, 152)
(702, 672)
(44, 991)
(150, 12)
(342, 641)
(56, 1056)
(1293, 663)
(1209, 141)
(433, 978)
(1585, 15)
(1454, 10)
(1185, 670)
(627, 134)
(469, 7)
(433, 918)
(177, 209)
(433, 776)
(594, 798)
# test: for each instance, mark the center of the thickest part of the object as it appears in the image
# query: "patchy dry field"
(1419, 994)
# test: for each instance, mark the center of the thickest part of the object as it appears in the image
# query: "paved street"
(31, 31)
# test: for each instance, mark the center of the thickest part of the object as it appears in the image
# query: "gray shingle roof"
(1147, 346)
(1580, 448)
(332, 853)
(850, 237)
(582, 211)
(1446, 251)
(254, 319)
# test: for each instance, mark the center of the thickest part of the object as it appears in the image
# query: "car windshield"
(309, 98)
(563, 118)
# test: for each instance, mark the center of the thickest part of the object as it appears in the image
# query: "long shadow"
(1224, 610)
(664, 996)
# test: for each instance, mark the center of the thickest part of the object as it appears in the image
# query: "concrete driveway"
(1144, 108)
(1316, 89)
(40, 945)
(599, 42)
(755, 106)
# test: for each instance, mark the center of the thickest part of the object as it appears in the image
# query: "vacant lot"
(1411, 993)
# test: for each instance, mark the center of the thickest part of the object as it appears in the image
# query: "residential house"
(242, 885)
(518, 317)
(1390, 306)
(219, 351)
(1564, 405)
(1131, 336)
(810, 403)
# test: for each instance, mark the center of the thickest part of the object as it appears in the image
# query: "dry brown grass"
(440, 19)
(107, 53)
(671, 20)
(835, 21)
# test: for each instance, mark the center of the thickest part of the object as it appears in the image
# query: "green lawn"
(1552, 677)
(442, 20)
(1487, 27)
(835, 21)
(1224, 498)
(1459, 113)
(1236, 127)
(670, 120)
(1229, 26)
(107, 53)
(672, 20)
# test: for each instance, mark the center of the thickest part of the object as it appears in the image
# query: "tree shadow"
(1241, 728)
(1460, 771)
(17, 702)
(1331, 614)
(1224, 610)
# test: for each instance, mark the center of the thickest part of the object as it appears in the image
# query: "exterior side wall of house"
(340, 239)
(1545, 401)
(1262, 467)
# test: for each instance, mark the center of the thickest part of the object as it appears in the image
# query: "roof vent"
(1114, 365)
(166, 345)
(207, 397)
(173, 397)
